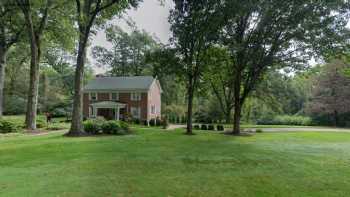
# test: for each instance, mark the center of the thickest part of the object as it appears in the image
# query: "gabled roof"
(120, 83)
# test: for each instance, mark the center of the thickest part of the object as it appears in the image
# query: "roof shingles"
(120, 83)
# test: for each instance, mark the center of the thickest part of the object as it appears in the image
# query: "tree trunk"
(237, 110)
(2, 77)
(32, 101)
(336, 120)
(189, 108)
(77, 126)
(228, 116)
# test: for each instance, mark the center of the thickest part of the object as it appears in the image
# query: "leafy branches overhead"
(270, 34)
(128, 53)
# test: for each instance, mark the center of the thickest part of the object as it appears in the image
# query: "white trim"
(135, 96)
(90, 97)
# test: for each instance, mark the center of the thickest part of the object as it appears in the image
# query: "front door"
(108, 114)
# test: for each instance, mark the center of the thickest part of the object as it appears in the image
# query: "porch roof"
(108, 104)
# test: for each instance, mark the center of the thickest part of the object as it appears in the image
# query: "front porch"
(108, 109)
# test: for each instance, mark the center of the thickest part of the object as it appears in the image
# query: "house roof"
(120, 83)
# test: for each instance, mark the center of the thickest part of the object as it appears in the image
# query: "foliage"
(211, 127)
(269, 35)
(258, 130)
(220, 127)
(14, 105)
(93, 126)
(196, 127)
(10, 126)
(110, 127)
(204, 127)
(287, 120)
(128, 54)
(165, 123)
(194, 27)
(331, 92)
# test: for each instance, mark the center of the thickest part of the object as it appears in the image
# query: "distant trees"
(331, 92)
(11, 31)
(128, 52)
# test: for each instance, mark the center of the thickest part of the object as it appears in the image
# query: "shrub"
(158, 122)
(136, 121)
(40, 123)
(258, 130)
(92, 126)
(110, 127)
(59, 112)
(287, 120)
(220, 128)
(204, 127)
(196, 127)
(165, 123)
(124, 128)
(8, 126)
(152, 122)
(211, 127)
(14, 105)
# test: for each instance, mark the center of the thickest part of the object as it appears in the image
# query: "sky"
(151, 16)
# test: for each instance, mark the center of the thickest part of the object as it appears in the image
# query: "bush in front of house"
(93, 126)
(196, 127)
(124, 128)
(211, 127)
(8, 126)
(152, 122)
(204, 127)
(220, 127)
(110, 127)
(136, 121)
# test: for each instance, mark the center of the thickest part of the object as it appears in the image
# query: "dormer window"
(114, 96)
(135, 96)
(93, 96)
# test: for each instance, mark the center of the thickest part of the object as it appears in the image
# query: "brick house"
(116, 98)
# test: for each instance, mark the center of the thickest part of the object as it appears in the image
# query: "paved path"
(303, 129)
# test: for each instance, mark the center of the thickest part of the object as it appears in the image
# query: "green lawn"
(167, 163)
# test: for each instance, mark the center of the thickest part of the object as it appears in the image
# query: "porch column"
(118, 112)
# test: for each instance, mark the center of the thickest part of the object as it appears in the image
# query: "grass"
(154, 162)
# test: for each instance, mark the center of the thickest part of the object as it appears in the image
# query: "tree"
(194, 27)
(41, 19)
(218, 78)
(272, 34)
(128, 53)
(331, 92)
(11, 29)
(90, 13)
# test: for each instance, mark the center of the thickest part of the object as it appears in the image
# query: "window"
(114, 96)
(93, 96)
(153, 109)
(135, 112)
(135, 96)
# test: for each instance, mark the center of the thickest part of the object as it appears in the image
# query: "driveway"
(281, 129)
